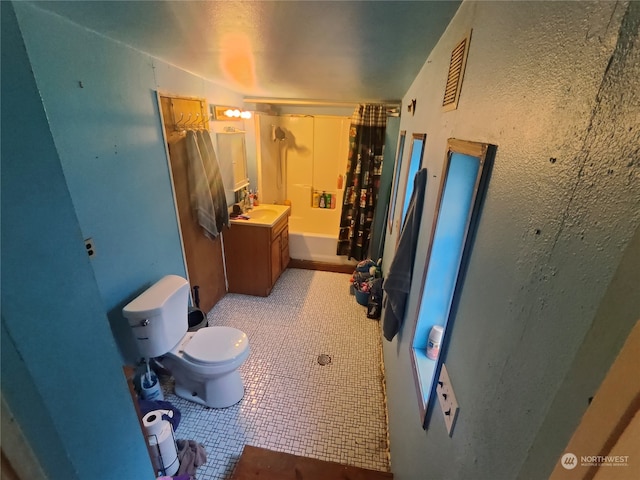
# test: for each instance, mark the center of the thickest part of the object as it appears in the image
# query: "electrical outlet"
(88, 245)
(447, 399)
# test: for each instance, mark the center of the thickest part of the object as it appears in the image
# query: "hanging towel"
(398, 281)
(199, 193)
(214, 177)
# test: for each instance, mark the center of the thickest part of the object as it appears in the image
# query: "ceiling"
(342, 51)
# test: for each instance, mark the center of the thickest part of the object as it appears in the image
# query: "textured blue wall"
(82, 156)
(100, 100)
(546, 302)
(62, 372)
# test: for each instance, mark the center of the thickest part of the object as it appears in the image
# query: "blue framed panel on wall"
(396, 179)
(418, 141)
(464, 180)
(401, 202)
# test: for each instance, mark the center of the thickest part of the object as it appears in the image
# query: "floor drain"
(324, 359)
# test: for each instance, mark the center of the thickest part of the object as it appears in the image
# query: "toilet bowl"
(205, 366)
(203, 363)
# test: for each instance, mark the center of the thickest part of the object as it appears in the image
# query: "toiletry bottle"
(433, 344)
(251, 199)
(315, 202)
(323, 200)
(333, 201)
(255, 199)
(327, 201)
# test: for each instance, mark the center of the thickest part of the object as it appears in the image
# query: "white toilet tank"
(159, 316)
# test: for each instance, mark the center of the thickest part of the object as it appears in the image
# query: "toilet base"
(220, 392)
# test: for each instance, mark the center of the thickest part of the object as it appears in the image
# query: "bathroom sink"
(263, 215)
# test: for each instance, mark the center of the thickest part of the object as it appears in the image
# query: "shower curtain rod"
(318, 103)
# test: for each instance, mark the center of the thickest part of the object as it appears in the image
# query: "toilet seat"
(216, 345)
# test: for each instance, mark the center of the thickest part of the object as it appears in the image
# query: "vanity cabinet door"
(247, 255)
(279, 251)
(284, 248)
(279, 239)
(276, 259)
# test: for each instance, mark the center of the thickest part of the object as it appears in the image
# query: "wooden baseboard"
(325, 267)
(129, 373)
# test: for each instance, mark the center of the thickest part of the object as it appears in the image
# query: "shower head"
(278, 133)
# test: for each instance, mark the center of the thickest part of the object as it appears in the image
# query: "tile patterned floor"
(292, 404)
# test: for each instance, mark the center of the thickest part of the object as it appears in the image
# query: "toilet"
(203, 363)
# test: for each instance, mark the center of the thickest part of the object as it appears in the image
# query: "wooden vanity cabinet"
(256, 256)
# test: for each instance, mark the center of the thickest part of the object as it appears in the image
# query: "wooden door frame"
(18, 459)
(165, 143)
(612, 409)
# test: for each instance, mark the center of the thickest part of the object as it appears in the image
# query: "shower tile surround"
(335, 412)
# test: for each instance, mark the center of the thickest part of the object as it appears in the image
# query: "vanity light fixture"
(220, 112)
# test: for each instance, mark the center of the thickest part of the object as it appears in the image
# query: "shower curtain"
(364, 167)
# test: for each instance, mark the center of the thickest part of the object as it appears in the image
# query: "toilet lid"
(216, 345)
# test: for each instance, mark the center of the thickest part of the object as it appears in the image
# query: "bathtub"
(313, 245)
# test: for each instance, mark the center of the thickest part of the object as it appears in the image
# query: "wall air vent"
(456, 73)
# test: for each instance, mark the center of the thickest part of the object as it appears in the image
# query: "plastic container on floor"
(150, 387)
(362, 297)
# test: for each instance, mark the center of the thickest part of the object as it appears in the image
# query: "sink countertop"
(264, 215)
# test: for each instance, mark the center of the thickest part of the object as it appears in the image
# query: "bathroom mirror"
(464, 180)
(232, 149)
(415, 160)
(396, 180)
(401, 201)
